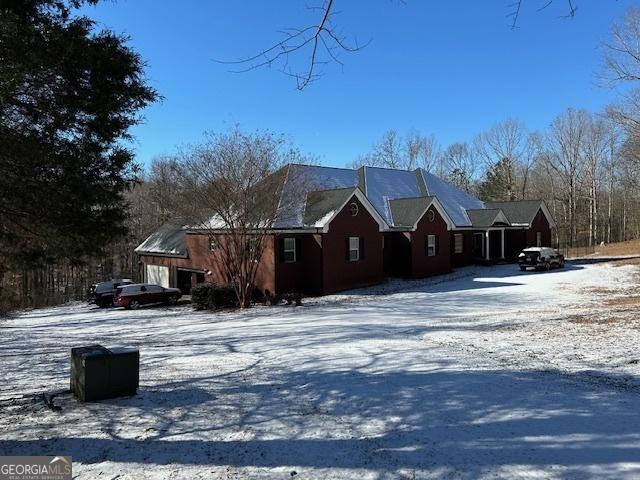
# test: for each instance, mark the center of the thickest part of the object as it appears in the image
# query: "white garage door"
(157, 274)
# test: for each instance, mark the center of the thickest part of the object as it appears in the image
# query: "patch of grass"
(631, 247)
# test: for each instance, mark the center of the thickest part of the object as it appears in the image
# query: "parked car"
(540, 258)
(134, 295)
(102, 293)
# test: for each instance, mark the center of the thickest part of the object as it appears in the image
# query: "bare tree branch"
(311, 42)
(516, 8)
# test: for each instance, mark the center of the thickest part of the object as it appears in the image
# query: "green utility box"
(98, 373)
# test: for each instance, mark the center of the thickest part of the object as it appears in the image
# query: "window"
(538, 239)
(431, 248)
(457, 243)
(431, 215)
(289, 250)
(213, 243)
(353, 209)
(354, 249)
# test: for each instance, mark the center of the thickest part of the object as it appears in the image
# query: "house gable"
(363, 203)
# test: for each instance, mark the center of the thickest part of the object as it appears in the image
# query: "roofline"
(382, 224)
(319, 166)
(547, 213)
(438, 206)
(160, 254)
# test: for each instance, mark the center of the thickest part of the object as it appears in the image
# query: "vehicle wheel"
(173, 300)
(134, 304)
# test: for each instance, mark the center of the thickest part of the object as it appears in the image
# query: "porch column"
(502, 251)
(486, 245)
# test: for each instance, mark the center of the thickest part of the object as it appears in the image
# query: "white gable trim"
(440, 209)
(547, 214)
(501, 217)
(382, 225)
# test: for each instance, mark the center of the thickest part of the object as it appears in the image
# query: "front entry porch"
(489, 245)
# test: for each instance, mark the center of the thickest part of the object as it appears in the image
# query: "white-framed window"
(354, 249)
(538, 239)
(431, 246)
(353, 209)
(458, 243)
(289, 249)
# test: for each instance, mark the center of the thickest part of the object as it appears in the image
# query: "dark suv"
(102, 293)
(540, 258)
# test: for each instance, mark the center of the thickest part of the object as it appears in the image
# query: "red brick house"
(353, 228)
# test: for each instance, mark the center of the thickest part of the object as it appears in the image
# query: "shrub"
(289, 298)
(211, 296)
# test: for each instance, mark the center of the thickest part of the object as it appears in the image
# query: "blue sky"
(445, 68)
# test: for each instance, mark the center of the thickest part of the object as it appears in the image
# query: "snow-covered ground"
(491, 373)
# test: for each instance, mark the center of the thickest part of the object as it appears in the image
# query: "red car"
(132, 296)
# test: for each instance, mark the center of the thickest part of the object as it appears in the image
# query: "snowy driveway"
(492, 374)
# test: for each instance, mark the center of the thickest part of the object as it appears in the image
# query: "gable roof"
(323, 204)
(298, 181)
(168, 240)
(487, 217)
(522, 212)
(406, 212)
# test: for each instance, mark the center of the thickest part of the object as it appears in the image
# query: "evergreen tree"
(68, 96)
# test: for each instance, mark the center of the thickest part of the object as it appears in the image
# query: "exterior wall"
(466, 257)
(397, 254)
(337, 272)
(539, 224)
(514, 242)
(421, 264)
(201, 258)
(172, 262)
(305, 274)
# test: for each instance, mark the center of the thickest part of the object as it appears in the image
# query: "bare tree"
(231, 185)
(422, 151)
(408, 152)
(566, 138)
(460, 164)
(504, 142)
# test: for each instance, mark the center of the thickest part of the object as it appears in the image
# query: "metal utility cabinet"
(98, 373)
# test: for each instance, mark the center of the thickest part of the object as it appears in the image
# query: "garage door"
(157, 274)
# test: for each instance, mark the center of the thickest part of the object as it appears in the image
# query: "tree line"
(584, 166)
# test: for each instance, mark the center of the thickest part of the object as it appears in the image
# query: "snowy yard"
(493, 373)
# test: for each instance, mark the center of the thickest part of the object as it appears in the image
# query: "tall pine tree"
(68, 97)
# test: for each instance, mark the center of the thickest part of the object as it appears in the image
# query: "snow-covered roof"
(169, 240)
(455, 201)
(380, 186)
(299, 181)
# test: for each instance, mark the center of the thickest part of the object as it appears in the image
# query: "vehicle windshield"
(531, 253)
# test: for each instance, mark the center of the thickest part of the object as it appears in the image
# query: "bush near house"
(211, 296)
